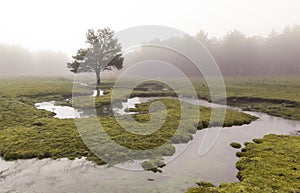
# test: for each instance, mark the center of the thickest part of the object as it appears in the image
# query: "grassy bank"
(274, 96)
(270, 164)
(26, 132)
(279, 96)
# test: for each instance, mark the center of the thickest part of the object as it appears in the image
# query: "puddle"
(79, 175)
(62, 112)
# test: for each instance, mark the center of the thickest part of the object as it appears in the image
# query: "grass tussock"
(235, 145)
(27, 132)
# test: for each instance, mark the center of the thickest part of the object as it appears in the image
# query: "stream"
(79, 175)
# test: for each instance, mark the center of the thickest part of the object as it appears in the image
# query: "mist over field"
(164, 96)
(235, 53)
(16, 60)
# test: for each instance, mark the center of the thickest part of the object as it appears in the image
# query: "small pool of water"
(65, 112)
(216, 166)
(62, 112)
(95, 93)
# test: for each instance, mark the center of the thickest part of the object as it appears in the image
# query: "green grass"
(231, 117)
(16, 113)
(275, 96)
(153, 165)
(271, 164)
(26, 132)
(279, 96)
(47, 137)
(235, 145)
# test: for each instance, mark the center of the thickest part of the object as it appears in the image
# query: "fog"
(235, 53)
(16, 60)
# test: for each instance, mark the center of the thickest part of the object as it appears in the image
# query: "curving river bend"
(79, 175)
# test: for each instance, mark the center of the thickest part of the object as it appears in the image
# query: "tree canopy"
(102, 53)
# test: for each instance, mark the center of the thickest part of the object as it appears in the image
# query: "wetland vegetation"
(150, 108)
(27, 132)
(270, 164)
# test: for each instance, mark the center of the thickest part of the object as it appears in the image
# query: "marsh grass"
(275, 96)
(271, 165)
(235, 145)
(153, 165)
(27, 132)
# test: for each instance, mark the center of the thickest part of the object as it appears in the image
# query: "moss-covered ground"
(27, 132)
(277, 96)
(271, 164)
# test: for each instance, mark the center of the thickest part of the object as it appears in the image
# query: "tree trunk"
(98, 92)
(98, 84)
(98, 80)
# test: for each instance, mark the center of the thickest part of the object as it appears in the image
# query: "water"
(62, 112)
(79, 175)
(101, 93)
(65, 112)
(130, 103)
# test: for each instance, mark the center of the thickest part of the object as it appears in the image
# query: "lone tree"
(103, 53)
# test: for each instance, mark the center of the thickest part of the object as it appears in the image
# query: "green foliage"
(103, 53)
(269, 166)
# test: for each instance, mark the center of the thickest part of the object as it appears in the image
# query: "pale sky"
(60, 25)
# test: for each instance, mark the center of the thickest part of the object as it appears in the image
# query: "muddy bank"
(276, 107)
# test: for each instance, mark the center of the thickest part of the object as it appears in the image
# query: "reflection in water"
(217, 166)
(98, 92)
(119, 108)
(62, 112)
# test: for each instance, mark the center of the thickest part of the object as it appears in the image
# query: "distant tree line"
(235, 53)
